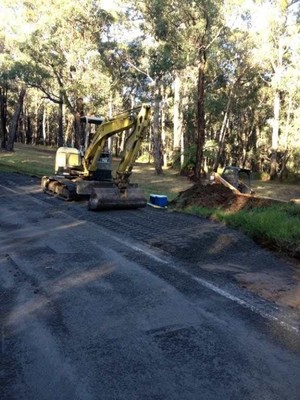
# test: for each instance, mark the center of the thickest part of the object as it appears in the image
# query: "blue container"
(159, 200)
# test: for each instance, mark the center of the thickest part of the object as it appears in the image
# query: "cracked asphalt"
(136, 304)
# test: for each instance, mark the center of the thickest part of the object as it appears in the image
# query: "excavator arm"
(132, 146)
(121, 194)
(135, 120)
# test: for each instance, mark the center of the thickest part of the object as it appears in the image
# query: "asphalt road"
(121, 305)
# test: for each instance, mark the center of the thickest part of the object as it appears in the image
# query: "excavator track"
(63, 188)
(102, 195)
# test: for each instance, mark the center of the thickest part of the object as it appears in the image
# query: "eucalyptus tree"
(3, 100)
(68, 51)
(60, 47)
(12, 90)
(276, 51)
(232, 93)
(16, 69)
(137, 72)
(187, 32)
(12, 95)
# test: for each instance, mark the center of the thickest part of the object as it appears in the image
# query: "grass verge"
(276, 227)
(28, 160)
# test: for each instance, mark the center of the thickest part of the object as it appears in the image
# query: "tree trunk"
(28, 130)
(163, 128)
(177, 122)
(276, 123)
(288, 122)
(60, 134)
(3, 117)
(222, 133)
(110, 115)
(221, 139)
(21, 131)
(275, 135)
(69, 136)
(283, 168)
(122, 141)
(157, 153)
(79, 136)
(36, 127)
(15, 120)
(44, 120)
(200, 113)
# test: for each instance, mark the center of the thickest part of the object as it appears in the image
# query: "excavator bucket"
(112, 198)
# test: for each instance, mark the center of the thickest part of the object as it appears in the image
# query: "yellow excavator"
(88, 173)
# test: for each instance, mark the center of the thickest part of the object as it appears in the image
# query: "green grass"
(276, 226)
(29, 160)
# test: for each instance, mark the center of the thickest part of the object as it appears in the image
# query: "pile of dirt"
(212, 196)
(218, 196)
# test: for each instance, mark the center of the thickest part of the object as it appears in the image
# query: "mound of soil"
(218, 196)
(212, 196)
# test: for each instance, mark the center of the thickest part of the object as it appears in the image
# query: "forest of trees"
(222, 77)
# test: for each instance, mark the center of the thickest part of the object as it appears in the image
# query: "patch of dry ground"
(276, 190)
(276, 288)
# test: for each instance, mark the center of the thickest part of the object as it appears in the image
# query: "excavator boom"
(123, 194)
(106, 130)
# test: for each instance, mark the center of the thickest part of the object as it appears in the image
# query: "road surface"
(132, 305)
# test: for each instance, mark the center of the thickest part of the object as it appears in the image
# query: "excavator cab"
(67, 159)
